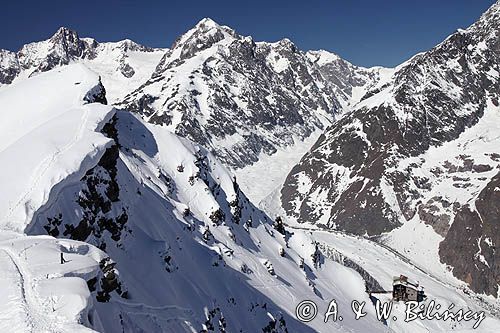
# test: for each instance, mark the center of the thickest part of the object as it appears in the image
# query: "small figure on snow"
(63, 261)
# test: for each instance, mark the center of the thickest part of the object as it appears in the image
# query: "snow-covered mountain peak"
(323, 57)
(351, 82)
(215, 87)
(126, 45)
(202, 36)
(123, 65)
(63, 47)
(287, 43)
(207, 22)
(64, 34)
(207, 25)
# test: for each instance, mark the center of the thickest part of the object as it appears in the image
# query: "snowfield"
(39, 294)
(111, 56)
(47, 137)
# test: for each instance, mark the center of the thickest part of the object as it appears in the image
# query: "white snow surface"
(111, 55)
(46, 138)
(38, 293)
(260, 179)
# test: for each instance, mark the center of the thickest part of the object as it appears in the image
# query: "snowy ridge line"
(69, 180)
(59, 138)
(48, 162)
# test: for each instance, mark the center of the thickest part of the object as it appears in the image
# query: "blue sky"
(365, 32)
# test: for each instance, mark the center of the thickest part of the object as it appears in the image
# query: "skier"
(63, 261)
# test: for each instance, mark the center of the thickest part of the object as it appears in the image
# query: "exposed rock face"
(97, 94)
(103, 217)
(60, 49)
(106, 282)
(235, 96)
(392, 158)
(9, 66)
(351, 82)
(339, 182)
(430, 213)
(470, 246)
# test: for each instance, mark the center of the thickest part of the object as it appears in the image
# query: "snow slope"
(123, 66)
(260, 179)
(46, 138)
(202, 268)
(39, 294)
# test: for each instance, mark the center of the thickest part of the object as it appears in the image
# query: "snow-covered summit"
(123, 65)
(351, 82)
(216, 87)
(322, 57)
(202, 36)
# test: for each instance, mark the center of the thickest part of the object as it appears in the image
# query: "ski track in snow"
(14, 314)
(36, 321)
(51, 160)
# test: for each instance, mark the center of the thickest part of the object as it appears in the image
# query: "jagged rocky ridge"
(350, 82)
(160, 204)
(235, 96)
(125, 64)
(420, 146)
